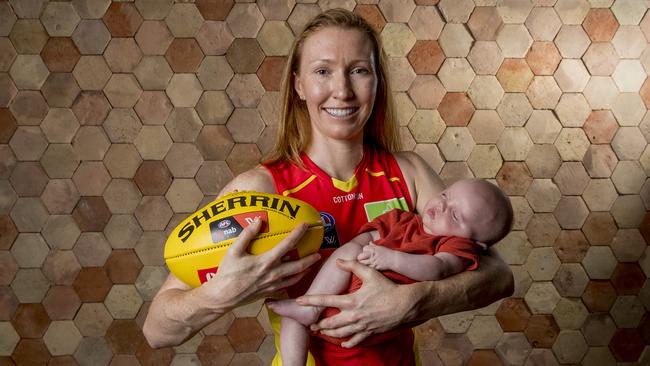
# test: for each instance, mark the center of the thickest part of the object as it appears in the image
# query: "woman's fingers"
(240, 245)
(356, 339)
(288, 243)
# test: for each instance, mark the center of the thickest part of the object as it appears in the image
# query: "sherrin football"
(195, 248)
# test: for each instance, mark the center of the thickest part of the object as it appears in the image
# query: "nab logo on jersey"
(330, 237)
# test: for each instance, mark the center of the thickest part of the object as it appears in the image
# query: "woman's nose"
(342, 88)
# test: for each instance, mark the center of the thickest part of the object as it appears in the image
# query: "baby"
(459, 223)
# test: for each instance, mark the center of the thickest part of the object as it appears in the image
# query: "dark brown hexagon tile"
(245, 55)
(149, 356)
(31, 352)
(514, 178)
(60, 54)
(541, 331)
(124, 336)
(627, 345)
(91, 108)
(122, 19)
(153, 178)
(426, 57)
(513, 315)
(644, 228)
(270, 72)
(214, 9)
(61, 302)
(66, 360)
(628, 278)
(571, 246)
(8, 125)
(8, 303)
(599, 296)
(215, 350)
(123, 266)
(92, 284)
(246, 334)
(8, 232)
(372, 15)
(30, 320)
(91, 213)
(456, 109)
(184, 55)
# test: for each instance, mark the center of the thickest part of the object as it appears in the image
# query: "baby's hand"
(375, 256)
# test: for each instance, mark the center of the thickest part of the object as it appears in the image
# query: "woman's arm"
(178, 311)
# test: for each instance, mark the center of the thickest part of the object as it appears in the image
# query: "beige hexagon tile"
(400, 74)
(600, 194)
(60, 19)
(184, 90)
(601, 92)
(644, 159)
(513, 11)
(151, 9)
(629, 42)
(572, 41)
(122, 54)
(431, 154)
(484, 332)
(245, 90)
(426, 91)
(572, 144)
(91, 72)
(29, 72)
(8, 18)
(91, 37)
(457, 323)
(485, 92)
(91, 178)
(600, 161)
(60, 90)
(122, 91)
(122, 125)
(514, 40)
(150, 248)
(9, 90)
(60, 231)
(485, 57)
(406, 139)
(214, 37)
(522, 212)
(513, 347)
(122, 160)
(60, 125)
(92, 249)
(514, 75)
(153, 142)
(542, 264)
(543, 127)
(456, 144)
(184, 195)
(184, 20)
(570, 313)
(629, 75)
(543, 160)
(153, 107)
(601, 59)
(543, 23)
(275, 38)
(543, 92)
(570, 281)
(456, 11)
(628, 177)
(29, 250)
(522, 281)
(543, 195)
(215, 73)
(60, 195)
(62, 337)
(153, 213)
(29, 285)
(571, 212)
(571, 75)
(426, 126)
(301, 15)
(484, 23)
(123, 301)
(485, 126)
(485, 161)
(570, 346)
(153, 37)
(455, 40)
(572, 11)
(599, 262)
(456, 74)
(122, 196)
(28, 36)
(397, 11)
(183, 160)
(628, 211)
(629, 109)
(572, 178)
(183, 125)
(92, 319)
(629, 12)
(542, 229)
(153, 73)
(123, 231)
(542, 297)
(628, 143)
(572, 110)
(245, 20)
(514, 109)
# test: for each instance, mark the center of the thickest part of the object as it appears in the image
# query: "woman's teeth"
(340, 112)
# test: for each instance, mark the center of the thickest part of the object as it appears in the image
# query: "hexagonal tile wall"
(118, 118)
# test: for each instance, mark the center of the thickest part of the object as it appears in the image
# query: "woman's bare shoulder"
(256, 179)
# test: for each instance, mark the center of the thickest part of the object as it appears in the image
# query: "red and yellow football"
(195, 248)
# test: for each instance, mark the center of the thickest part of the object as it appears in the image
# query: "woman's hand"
(244, 278)
(378, 306)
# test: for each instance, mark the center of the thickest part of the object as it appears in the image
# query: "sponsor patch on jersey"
(330, 237)
(378, 208)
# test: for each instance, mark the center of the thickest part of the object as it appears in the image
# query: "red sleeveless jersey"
(376, 187)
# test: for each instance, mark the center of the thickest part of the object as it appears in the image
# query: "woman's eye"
(360, 71)
(321, 71)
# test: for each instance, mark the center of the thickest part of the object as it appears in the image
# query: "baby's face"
(460, 210)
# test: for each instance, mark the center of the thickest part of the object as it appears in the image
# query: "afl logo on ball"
(224, 224)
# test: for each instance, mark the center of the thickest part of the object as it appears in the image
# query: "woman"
(336, 149)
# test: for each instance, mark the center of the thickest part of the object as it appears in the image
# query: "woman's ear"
(298, 86)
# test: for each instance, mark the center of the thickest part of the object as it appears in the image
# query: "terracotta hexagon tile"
(514, 75)
(60, 90)
(456, 109)
(541, 331)
(628, 278)
(426, 57)
(91, 214)
(27, 9)
(245, 20)
(514, 178)
(184, 55)
(243, 157)
(8, 161)
(245, 90)
(454, 40)
(9, 90)
(91, 178)
(425, 22)
(543, 58)
(184, 90)
(122, 160)
(600, 25)
(8, 303)
(8, 19)
(628, 244)
(61, 303)
(60, 54)
(598, 329)
(122, 20)
(275, 38)
(9, 197)
(542, 229)
(270, 72)
(122, 196)
(61, 267)
(28, 36)
(570, 280)
(153, 107)
(214, 9)
(183, 125)
(370, 12)
(149, 356)
(215, 142)
(303, 13)
(150, 248)
(60, 195)
(90, 143)
(92, 285)
(91, 37)
(571, 212)
(28, 179)
(124, 336)
(543, 92)
(153, 178)
(123, 266)
(31, 351)
(245, 125)
(215, 350)
(91, 108)
(30, 320)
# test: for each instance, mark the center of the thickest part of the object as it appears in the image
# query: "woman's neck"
(338, 160)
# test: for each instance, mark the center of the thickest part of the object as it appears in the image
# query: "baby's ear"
(482, 245)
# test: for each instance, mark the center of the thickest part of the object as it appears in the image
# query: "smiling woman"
(338, 149)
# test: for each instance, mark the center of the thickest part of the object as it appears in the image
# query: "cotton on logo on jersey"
(347, 197)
